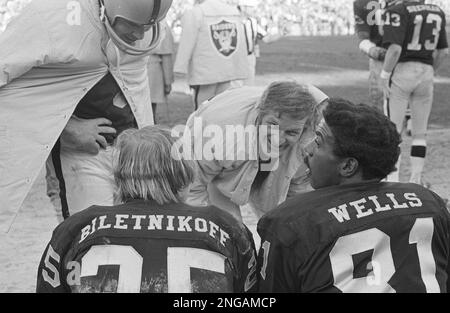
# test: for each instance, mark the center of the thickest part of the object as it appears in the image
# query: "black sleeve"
(448, 257)
(395, 26)
(275, 267)
(247, 281)
(50, 276)
(446, 212)
(448, 240)
(360, 13)
(448, 274)
(443, 41)
(55, 272)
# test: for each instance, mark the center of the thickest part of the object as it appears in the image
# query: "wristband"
(366, 45)
(385, 75)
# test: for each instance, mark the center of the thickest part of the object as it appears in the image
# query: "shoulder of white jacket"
(54, 11)
(246, 91)
(242, 100)
(57, 5)
(318, 94)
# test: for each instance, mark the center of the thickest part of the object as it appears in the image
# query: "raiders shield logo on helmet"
(224, 36)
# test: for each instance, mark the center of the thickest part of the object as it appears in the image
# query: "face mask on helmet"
(127, 20)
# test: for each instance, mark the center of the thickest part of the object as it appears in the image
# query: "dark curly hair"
(364, 133)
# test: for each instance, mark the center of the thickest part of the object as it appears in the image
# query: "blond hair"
(144, 168)
(287, 98)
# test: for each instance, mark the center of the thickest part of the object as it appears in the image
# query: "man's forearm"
(369, 48)
(364, 42)
(392, 57)
(441, 55)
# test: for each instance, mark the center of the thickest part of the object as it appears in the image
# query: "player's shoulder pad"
(289, 221)
(240, 235)
(71, 227)
(441, 10)
(361, 4)
(398, 7)
(360, 9)
(427, 194)
(443, 204)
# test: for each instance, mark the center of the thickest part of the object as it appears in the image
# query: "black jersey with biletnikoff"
(143, 247)
(371, 237)
(418, 28)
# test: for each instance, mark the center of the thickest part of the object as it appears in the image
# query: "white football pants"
(412, 82)
(89, 179)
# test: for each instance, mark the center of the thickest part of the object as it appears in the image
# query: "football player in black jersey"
(416, 38)
(368, 24)
(151, 243)
(356, 233)
(369, 29)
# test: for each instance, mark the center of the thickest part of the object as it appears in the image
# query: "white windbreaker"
(210, 51)
(49, 59)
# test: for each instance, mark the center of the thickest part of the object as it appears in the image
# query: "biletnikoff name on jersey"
(371, 205)
(155, 223)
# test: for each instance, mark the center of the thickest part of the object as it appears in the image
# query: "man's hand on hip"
(82, 135)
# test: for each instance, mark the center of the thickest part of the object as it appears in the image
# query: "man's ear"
(349, 167)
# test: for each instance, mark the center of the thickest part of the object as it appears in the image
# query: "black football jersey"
(144, 247)
(368, 18)
(418, 28)
(372, 237)
(106, 100)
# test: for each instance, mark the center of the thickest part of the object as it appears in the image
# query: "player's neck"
(357, 179)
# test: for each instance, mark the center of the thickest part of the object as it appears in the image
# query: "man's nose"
(308, 149)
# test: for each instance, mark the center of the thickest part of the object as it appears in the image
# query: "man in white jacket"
(77, 66)
(212, 50)
(240, 160)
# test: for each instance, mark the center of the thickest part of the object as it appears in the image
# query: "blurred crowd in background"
(284, 17)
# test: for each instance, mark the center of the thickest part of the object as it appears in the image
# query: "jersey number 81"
(382, 263)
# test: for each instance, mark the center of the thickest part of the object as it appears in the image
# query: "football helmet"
(141, 12)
